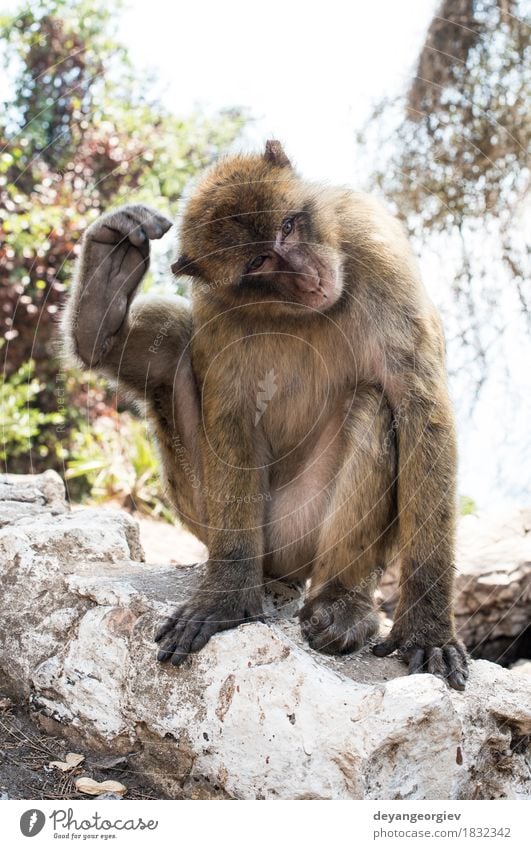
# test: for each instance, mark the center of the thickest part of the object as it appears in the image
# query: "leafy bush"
(79, 133)
(114, 459)
(21, 420)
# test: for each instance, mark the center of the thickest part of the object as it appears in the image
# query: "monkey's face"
(255, 234)
(291, 267)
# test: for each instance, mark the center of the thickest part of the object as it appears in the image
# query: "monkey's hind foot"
(448, 660)
(337, 620)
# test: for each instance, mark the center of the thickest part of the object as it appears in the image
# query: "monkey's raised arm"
(97, 327)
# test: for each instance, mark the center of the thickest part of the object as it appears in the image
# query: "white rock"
(37, 557)
(493, 599)
(256, 714)
(30, 495)
(522, 667)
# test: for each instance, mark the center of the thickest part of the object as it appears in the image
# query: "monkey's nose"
(308, 281)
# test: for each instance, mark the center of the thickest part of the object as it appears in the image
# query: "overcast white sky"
(306, 71)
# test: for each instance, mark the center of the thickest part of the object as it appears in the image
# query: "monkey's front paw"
(134, 222)
(448, 660)
(114, 259)
(338, 621)
(192, 625)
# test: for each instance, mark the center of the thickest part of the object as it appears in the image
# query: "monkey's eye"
(287, 226)
(256, 263)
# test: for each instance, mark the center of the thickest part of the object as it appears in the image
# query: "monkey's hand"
(426, 650)
(114, 259)
(211, 609)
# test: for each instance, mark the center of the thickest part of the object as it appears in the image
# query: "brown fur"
(351, 459)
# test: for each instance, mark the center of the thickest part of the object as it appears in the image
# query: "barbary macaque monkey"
(300, 404)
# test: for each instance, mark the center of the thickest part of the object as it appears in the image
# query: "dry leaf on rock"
(95, 788)
(72, 760)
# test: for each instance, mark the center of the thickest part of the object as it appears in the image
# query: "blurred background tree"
(452, 155)
(78, 134)
(81, 131)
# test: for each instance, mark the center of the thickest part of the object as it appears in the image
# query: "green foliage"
(49, 95)
(114, 459)
(21, 420)
(80, 133)
(467, 505)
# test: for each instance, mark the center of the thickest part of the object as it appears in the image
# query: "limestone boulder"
(256, 714)
(22, 496)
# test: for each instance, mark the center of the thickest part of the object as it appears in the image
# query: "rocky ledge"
(256, 714)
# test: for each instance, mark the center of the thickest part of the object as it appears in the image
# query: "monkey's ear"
(274, 154)
(184, 265)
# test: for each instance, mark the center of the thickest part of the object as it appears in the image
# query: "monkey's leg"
(355, 539)
(424, 631)
(231, 591)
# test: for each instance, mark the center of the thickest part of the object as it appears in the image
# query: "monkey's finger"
(385, 648)
(314, 618)
(452, 657)
(161, 631)
(156, 226)
(138, 237)
(316, 623)
(172, 637)
(436, 663)
(457, 671)
(456, 680)
(166, 651)
(209, 628)
(460, 648)
(329, 641)
(304, 618)
(184, 643)
(416, 662)
(116, 228)
(177, 617)
(153, 223)
(132, 268)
